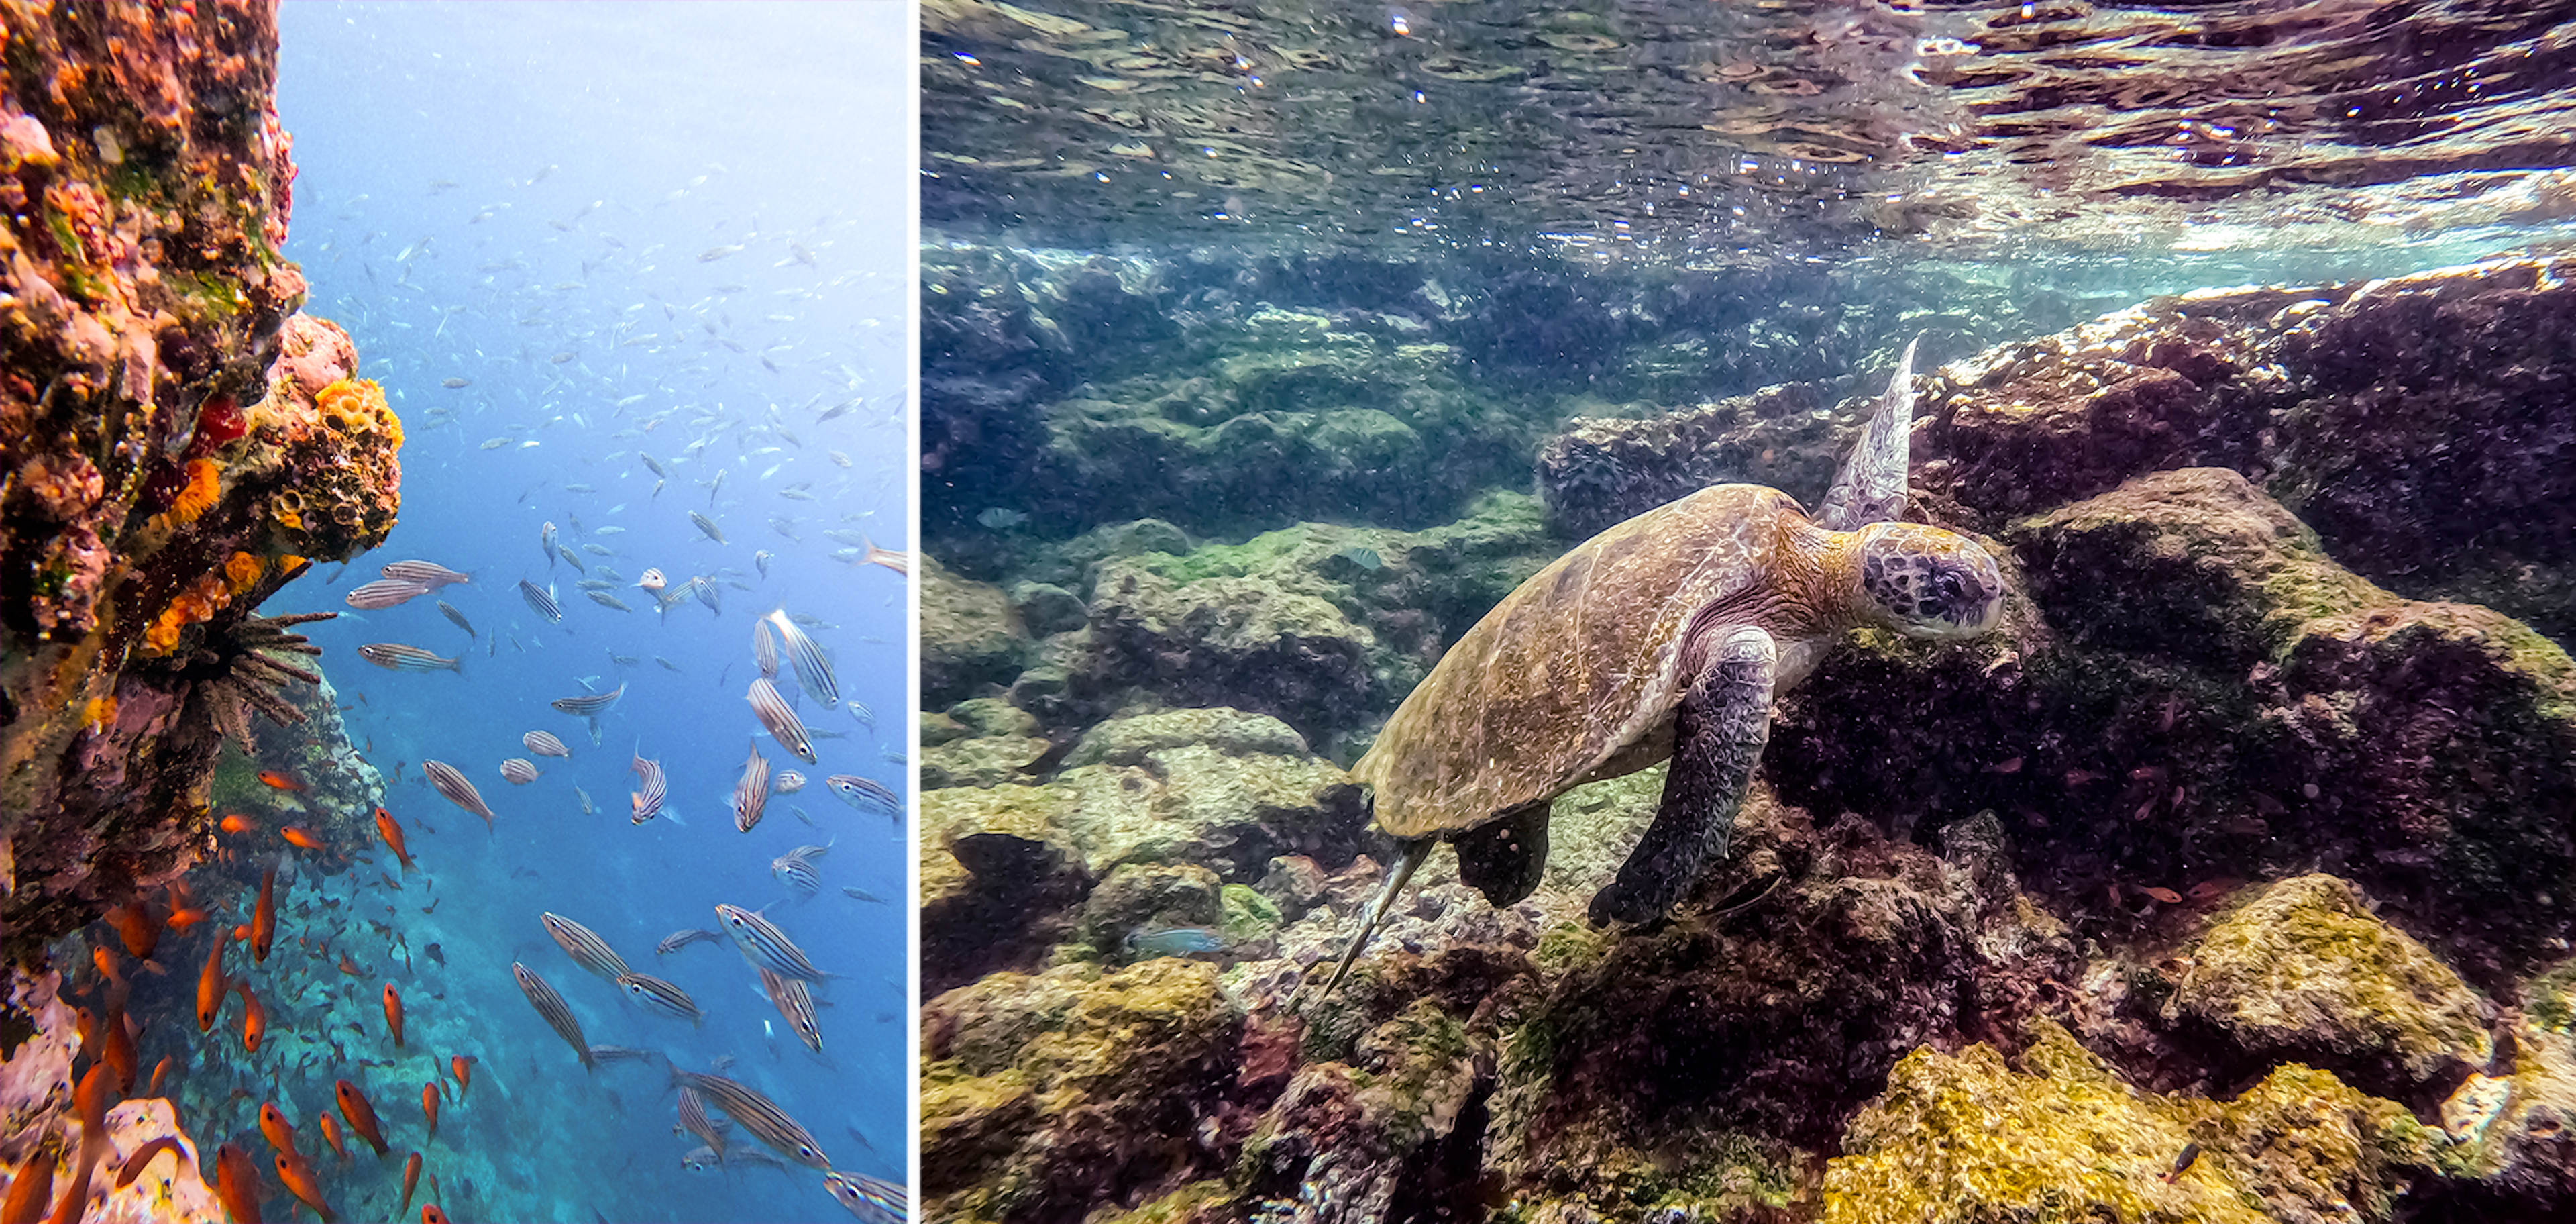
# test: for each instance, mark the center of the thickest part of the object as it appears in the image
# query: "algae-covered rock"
(969, 635)
(983, 741)
(1139, 897)
(2305, 972)
(1060, 1093)
(2063, 1138)
(1599, 471)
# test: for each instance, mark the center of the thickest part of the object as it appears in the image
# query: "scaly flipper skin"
(1506, 859)
(1414, 853)
(1724, 721)
(1870, 488)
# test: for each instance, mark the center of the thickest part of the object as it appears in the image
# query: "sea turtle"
(1665, 636)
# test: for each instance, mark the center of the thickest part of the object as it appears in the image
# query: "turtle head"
(1927, 582)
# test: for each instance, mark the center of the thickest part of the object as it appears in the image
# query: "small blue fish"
(999, 518)
(1173, 941)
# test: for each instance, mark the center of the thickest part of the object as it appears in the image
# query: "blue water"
(538, 200)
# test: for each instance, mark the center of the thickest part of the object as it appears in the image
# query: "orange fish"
(298, 835)
(142, 1159)
(429, 1106)
(182, 919)
(348, 966)
(241, 931)
(331, 1135)
(393, 835)
(136, 924)
(411, 1178)
(254, 1018)
(210, 984)
(31, 1190)
(106, 962)
(463, 1066)
(274, 1127)
(237, 1184)
(361, 1114)
(430, 1214)
(236, 823)
(263, 920)
(159, 1069)
(280, 781)
(2166, 895)
(393, 1013)
(116, 1048)
(297, 1173)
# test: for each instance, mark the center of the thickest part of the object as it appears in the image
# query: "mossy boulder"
(983, 741)
(2304, 971)
(970, 635)
(1972, 1138)
(1138, 897)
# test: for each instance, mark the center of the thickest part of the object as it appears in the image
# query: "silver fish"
(796, 1003)
(782, 722)
(813, 670)
(546, 545)
(759, 1115)
(788, 782)
(519, 770)
(660, 997)
(867, 717)
(694, 1119)
(573, 558)
(544, 743)
(764, 648)
(585, 947)
(863, 794)
(873, 1200)
(606, 600)
(649, 795)
(598, 550)
(763, 944)
(387, 593)
(394, 656)
(587, 808)
(751, 792)
(708, 526)
(591, 703)
(427, 573)
(861, 894)
(795, 870)
(677, 940)
(457, 618)
(761, 559)
(551, 1006)
(703, 1158)
(619, 1053)
(706, 592)
(540, 602)
(460, 792)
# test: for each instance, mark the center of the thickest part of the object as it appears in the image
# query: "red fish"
(116, 1048)
(142, 1159)
(281, 781)
(106, 962)
(210, 984)
(392, 833)
(2166, 895)
(361, 1114)
(299, 836)
(331, 1135)
(394, 1014)
(159, 1069)
(429, 1106)
(254, 1019)
(463, 1066)
(138, 927)
(348, 966)
(430, 1214)
(237, 1184)
(411, 1178)
(297, 1173)
(31, 1189)
(236, 823)
(274, 1127)
(182, 919)
(263, 920)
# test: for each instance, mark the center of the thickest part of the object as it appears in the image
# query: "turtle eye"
(1950, 586)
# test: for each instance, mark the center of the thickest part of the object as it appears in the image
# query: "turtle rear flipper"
(1724, 720)
(1414, 853)
(1505, 859)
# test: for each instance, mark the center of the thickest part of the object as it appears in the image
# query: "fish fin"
(1414, 853)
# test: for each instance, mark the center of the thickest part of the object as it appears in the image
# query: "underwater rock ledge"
(180, 442)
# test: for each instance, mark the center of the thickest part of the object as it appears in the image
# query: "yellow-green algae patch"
(2305, 966)
(1967, 1139)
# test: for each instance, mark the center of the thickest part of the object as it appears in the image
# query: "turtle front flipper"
(1870, 488)
(1725, 719)
(1505, 859)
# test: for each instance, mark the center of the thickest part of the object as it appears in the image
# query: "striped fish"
(677, 940)
(606, 600)
(458, 791)
(708, 526)
(543, 743)
(394, 656)
(551, 1006)
(519, 770)
(764, 648)
(585, 947)
(795, 869)
(591, 703)
(587, 807)
(694, 1119)
(759, 1115)
(788, 782)
(426, 573)
(751, 791)
(899, 562)
(660, 997)
(873, 1200)
(764, 945)
(540, 602)
(867, 717)
(652, 580)
(813, 670)
(796, 1003)
(647, 799)
(782, 722)
(618, 1053)
(708, 595)
(702, 1159)
(863, 794)
(457, 618)
(391, 592)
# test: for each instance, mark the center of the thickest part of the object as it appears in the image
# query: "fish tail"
(1414, 853)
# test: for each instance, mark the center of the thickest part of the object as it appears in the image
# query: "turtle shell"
(1575, 676)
